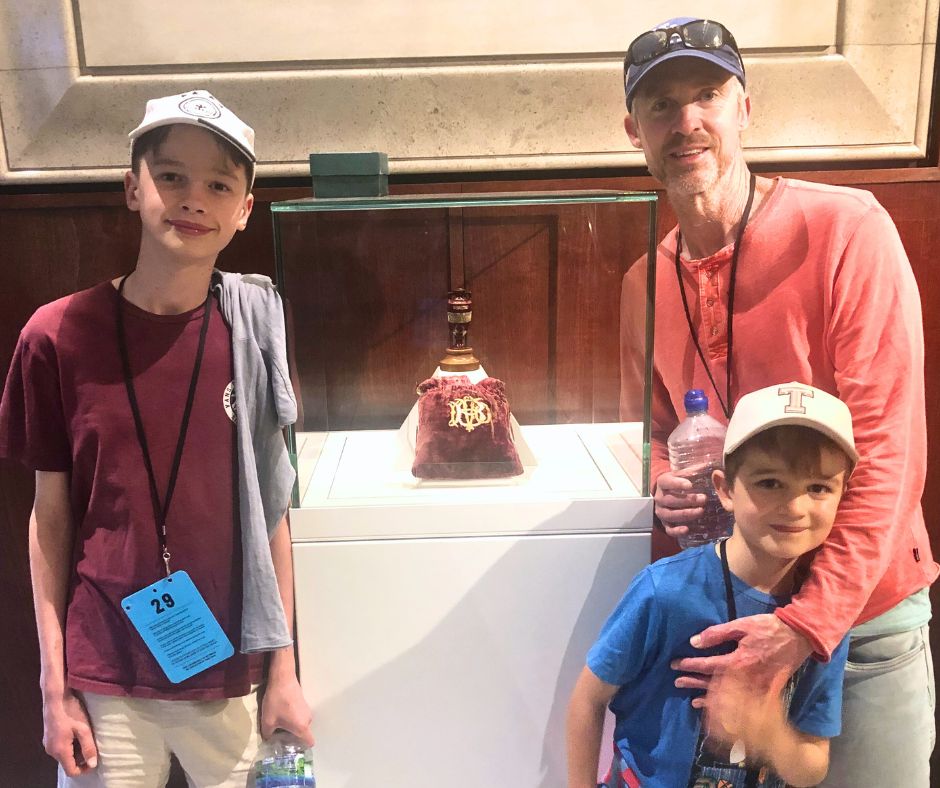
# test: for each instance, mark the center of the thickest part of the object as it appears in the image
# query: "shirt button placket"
(710, 292)
(706, 286)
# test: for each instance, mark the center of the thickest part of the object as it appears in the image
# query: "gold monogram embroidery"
(469, 412)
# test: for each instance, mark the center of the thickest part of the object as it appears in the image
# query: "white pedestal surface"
(440, 627)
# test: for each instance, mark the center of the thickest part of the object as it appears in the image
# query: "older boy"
(121, 397)
(789, 451)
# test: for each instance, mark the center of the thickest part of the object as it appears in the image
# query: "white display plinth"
(441, 627)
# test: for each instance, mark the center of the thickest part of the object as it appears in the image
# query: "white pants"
(888, 727)
(215, 741)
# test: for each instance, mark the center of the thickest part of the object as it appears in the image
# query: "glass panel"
(366, 282)
(402, 201)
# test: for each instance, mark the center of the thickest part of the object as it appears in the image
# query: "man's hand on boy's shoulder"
(284, 707)
(767, 654)
(67, 735)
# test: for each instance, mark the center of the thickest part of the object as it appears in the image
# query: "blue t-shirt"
(656, 727)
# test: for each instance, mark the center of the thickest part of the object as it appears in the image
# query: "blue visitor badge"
(177, 626)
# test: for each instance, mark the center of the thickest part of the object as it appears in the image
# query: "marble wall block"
(446, 86)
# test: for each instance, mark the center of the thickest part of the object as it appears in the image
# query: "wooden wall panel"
(515, 271)
(43, 254)
(367, 294)
(390, 318)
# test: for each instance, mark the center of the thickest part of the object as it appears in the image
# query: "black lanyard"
(725, 404)
(160, 511)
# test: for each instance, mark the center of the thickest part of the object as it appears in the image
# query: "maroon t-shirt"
(65, 408)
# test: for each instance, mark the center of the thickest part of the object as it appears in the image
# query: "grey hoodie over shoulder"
(264, 405)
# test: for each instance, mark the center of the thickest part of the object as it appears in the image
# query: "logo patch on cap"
(200, 107)
(795, 395)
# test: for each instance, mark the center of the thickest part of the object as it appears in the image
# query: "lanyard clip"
(166, 560)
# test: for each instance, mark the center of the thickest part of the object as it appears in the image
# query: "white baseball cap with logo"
(791, 404)
(198, 108)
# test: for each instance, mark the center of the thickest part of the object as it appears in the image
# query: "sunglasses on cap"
(699, 34)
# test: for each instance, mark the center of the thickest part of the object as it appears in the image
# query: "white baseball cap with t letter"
(791, 404)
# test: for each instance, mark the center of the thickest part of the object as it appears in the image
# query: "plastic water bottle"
(283, 762)
(698, 442)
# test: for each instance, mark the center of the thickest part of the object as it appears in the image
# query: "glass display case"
(446, 596)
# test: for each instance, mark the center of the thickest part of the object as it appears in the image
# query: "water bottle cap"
(696, 401)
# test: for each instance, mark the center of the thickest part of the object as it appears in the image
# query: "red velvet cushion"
(464, 430)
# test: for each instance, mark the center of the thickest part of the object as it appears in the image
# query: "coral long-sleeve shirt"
(824, 295)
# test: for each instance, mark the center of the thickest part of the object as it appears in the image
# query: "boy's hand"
(736, 717)
(285, 708)
(747, 723)
(67, 734)
(736, 714)
(768, 653)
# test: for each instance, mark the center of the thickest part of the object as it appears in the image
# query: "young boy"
(789, 451)
(151, 481)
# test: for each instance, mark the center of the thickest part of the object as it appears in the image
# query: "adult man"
(766, 280)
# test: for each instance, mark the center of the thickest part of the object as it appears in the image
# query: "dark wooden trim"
(50, 198)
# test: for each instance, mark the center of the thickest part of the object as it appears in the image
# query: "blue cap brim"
(724, 58)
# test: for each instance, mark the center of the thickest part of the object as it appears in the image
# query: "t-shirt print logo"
(200, 107)
(228, 400)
